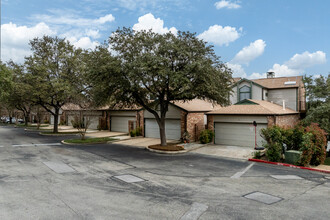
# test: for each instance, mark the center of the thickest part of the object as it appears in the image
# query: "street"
(42, 179)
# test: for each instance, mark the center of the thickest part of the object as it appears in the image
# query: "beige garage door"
(120, 124)
(237, 134)
(172, 129)
(94, 121)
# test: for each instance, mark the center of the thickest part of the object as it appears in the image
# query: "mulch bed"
(168, 147)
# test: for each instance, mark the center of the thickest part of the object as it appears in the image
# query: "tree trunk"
(162, 132)
(57, 112)
(27, 118)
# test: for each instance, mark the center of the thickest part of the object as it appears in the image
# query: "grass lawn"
(90, 140)
(327, 161)
(31, 126)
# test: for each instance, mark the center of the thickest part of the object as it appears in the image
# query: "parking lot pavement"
(115, 181)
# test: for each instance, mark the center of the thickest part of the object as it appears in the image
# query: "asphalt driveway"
(42, 179)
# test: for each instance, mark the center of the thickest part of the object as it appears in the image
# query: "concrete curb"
(166, 152)
(289, 165)
(106, 142)
(56, 134)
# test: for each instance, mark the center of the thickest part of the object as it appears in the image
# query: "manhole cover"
(286, 177)
(263, 197)
(128, 178)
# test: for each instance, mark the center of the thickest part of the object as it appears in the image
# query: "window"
(244, 93)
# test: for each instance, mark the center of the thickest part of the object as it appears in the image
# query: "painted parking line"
(1, 146)
(36, 145)
(239, 174)
(196, 210)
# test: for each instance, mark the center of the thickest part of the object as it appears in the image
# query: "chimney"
(283, 104)
(270, 75)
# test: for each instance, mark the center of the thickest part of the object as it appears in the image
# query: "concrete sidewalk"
(143, 142)
(226, 151)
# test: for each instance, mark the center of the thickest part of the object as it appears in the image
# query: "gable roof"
(253, 107)
(246, 80)
(274, 83)
(279, 82)
(196, 105)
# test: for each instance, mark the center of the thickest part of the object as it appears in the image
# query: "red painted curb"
(289, 165)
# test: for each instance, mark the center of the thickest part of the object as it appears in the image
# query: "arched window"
(244, 93)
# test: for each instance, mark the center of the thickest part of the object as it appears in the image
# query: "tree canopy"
(54, 71)
(152, 70)
(318, 101)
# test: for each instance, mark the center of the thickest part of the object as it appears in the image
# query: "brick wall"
(271, 121)
(195, 124)
(183, 116)
(287, 120)
(210, 122)
(140, 120)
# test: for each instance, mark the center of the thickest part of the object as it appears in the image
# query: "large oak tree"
(54, 70)
(152, 70)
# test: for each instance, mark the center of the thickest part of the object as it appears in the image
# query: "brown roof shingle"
(259, 108)
(275, 83)
(196, 105)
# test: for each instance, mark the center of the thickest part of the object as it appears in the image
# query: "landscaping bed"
(168, 147)
(90, 140)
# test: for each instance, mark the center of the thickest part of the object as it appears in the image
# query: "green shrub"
(307, 150)
(46, 121)
(257, 154)
(319, 142)
(138, 131)
(132, 133)
(273, 134)
(206, 136)
(293, 137)
(274, 151)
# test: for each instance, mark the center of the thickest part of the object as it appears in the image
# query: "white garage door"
(172, 129)
(94, 121)
(120, 124)
(237, 134)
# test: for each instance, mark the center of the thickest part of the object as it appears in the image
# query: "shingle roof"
(275, 83)
(196, 105)
(258, 108)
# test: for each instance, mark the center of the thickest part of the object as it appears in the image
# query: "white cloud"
(257, 75)
(92, 33)
(284, 70)
(59, 17)
(306, 59)
(219, 35)
(227, 4)
(251, 52)
(298, 63)
(84, 43)
(15, 39)
(105, 19)
(237, 69)
(245, 56)
(148, 21)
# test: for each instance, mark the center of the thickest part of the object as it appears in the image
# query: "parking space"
(116, 181)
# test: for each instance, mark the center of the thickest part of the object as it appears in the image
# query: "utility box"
(292, 156)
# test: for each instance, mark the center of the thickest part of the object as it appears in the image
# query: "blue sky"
(289, 37)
